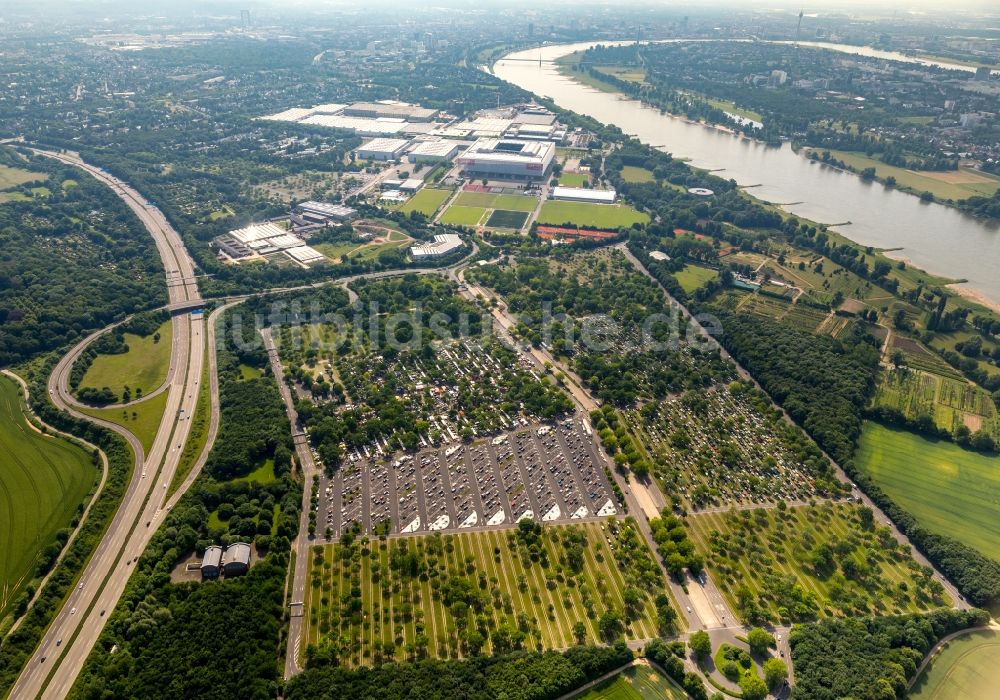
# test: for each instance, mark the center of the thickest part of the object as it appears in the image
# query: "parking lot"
(547, 472)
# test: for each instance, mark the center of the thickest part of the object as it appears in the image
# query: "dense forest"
(107, 264)
(519, 676)
(871, 658)
(182, 630)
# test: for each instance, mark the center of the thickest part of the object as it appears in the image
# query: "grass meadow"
(968, 667)
(144, 366)
(949, 490)
(43, 481)
(602, 216)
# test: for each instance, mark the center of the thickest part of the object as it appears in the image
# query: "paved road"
(55, 664)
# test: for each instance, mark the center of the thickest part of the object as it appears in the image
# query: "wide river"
(934, 237)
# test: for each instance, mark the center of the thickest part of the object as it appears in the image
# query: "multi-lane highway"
(57, 661)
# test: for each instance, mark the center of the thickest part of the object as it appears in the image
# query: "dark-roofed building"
(236, 560)
(211, 563)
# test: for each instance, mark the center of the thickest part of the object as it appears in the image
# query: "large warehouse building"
(508, 159)
(382, 149)
(443, 244)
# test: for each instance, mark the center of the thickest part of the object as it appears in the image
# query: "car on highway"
(72, 611)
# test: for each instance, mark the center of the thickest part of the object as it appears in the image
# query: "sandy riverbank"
(976, 296)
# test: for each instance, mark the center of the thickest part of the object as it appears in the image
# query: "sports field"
(809, 562)
(143, 367)
(603, 216)
(639, 682)
(632, 173)
(947, 489)
(968, 668)
(463, 216)
(501, 218)
(693, 277)
(142, 419)
(510, 202)
(43, 480)
(440, 594)
(427, 201)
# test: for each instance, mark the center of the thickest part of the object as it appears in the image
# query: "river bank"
(936, 238)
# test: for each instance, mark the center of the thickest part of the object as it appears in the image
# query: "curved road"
(55, 664)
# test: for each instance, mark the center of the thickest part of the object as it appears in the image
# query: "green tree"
(752, 687)
(759, 640)
(775, 673)
(701, 644)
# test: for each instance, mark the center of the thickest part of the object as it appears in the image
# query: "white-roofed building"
(305, 255)
(382, 149)
(255, 233)
(443, 244)
(433, 151)
(411, 185)
(236, 560)
(324, 212)
(583, 194)
(508, 158)
(211, 563)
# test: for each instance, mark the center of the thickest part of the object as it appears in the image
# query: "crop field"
(143, 367)
(950, 402)
(967, 667)
(142, 419)
(920, 358)
(764, 306)
(501, 218)
(427, 201)
(603, 216)
(805, 562)
(486, 200)
(639, 682)
(949, 490)
(693, 277)
(631, 173)
(457, 215)
(43, 481)
(456, 594)
(805, 317)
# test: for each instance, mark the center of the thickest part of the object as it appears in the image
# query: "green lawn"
(142, 419)
(462, 215)
(501, 218)
(602, 216)
(501, 583)
(635, 683)
(631, 173)
(248, 372)
(485, 200)
(12, 177)
(693, 277)
(264, 474)
(43, 480)
(942, 185)
(947, 489)
(574, 179)
(143, 367)
(968, 668)
(427, 201)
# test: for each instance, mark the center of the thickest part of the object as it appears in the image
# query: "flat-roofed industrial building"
(382, 149)
(433, 151)
(324, 212)
(510, 159)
